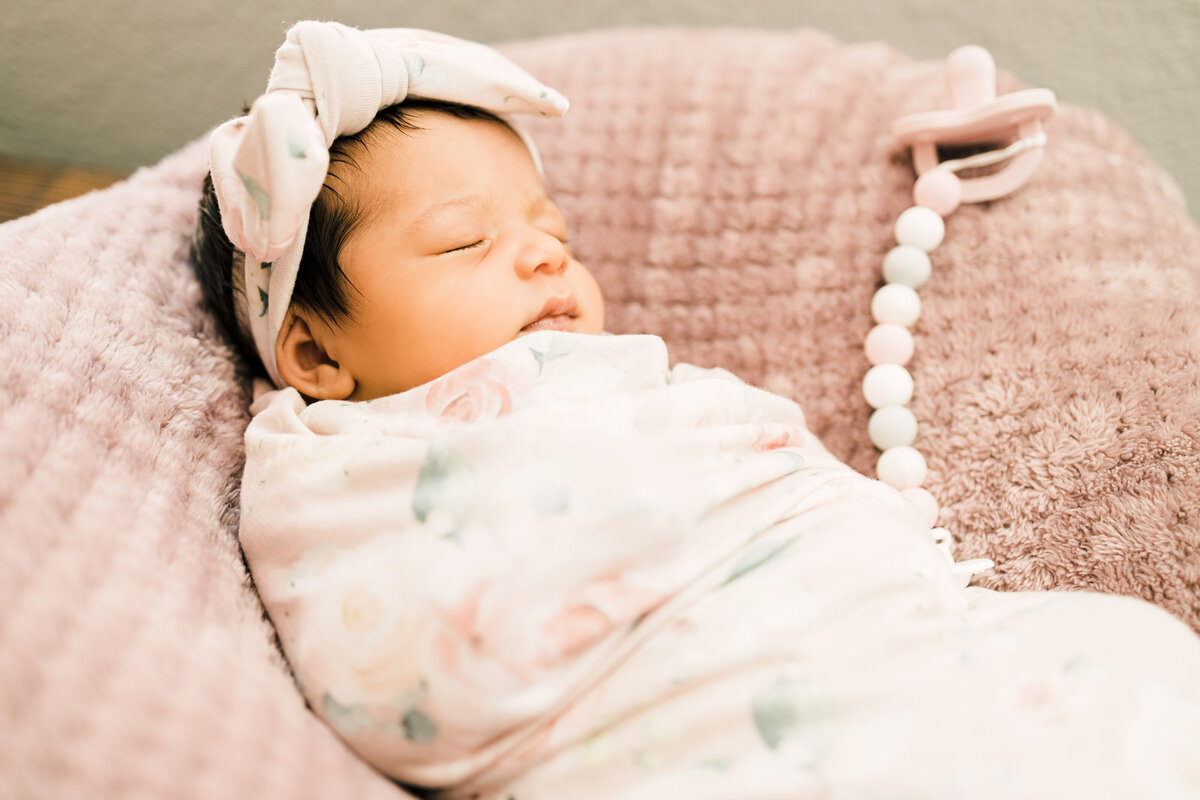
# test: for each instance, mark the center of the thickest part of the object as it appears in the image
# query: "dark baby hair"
(322, 288)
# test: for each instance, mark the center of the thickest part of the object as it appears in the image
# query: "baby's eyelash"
(465, 246)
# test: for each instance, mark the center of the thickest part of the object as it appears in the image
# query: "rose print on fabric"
(735, 443)
(474, 392)
(772, 436)
(488, 626)
(367, 640)
(1041, 704)
(372, 630)
(605, 548)
(593, 612)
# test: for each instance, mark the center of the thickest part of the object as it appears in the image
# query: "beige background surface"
(120, 83)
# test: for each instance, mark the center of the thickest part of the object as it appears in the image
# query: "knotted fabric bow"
(330, 80)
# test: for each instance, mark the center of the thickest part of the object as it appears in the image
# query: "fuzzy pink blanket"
(734, 192)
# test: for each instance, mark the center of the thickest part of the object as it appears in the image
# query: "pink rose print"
(774, 435)
(1043, 701)
(473, 392)
(606, 602)
(571, 631)
(482, 629)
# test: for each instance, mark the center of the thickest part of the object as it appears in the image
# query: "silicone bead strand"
(888, 385)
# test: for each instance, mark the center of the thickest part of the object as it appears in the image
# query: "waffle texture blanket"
(567, 569)
(740, 214)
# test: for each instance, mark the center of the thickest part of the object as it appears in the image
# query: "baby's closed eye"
(460, 248)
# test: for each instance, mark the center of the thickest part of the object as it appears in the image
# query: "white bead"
(887, 385)
(896, 303)
(888, 344)
(901, 467)
(921, 227)
(892, 426)
(906, 264)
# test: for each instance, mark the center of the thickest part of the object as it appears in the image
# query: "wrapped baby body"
(568, 570)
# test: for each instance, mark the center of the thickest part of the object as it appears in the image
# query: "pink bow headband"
(330, 80)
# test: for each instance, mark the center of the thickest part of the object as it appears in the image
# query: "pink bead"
(940, 190)
(926, 504)
(889, 343)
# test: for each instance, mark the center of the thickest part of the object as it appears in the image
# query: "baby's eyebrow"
(538, 202)
(469, 200)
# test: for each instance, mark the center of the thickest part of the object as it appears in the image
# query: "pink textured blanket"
(734, 192)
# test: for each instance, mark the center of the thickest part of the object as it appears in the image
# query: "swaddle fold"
(567, 569)
(448, 566)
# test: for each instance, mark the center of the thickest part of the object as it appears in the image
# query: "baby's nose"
(540, 252)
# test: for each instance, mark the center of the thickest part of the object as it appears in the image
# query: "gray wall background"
(120, 83)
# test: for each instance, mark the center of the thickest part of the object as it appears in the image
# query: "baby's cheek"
(588, 295)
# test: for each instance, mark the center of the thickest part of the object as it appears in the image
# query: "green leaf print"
(758, 554)
(297, 144)
(418, 727)
(347, 719)
(550, 501)
(415, 63)
(446, 484)
(774, 715)
(793, 709)
(557, 349)
(258, 194)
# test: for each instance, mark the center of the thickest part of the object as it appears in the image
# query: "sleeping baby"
(511, 556)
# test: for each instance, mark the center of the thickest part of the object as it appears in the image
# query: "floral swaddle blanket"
(567, 569)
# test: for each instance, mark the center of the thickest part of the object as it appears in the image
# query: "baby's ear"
(302, 354)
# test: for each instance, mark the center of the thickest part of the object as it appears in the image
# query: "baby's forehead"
(421, 186)
(438, 155)
(419, 133)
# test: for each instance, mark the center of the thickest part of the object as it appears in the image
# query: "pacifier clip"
(1011, 125)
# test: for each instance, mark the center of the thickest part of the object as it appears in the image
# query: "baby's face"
(460, 252)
